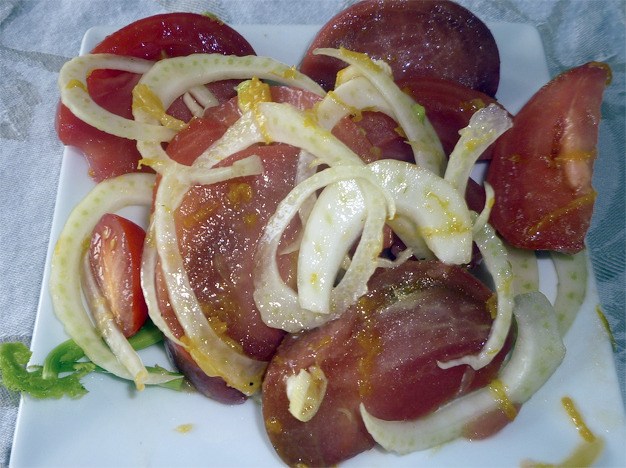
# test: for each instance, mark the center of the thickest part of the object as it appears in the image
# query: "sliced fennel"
(198, 99)
(434, 208)
(571, 272)
(494, 255)
(525, 269)
(350, 98)
(427, 208)
(74, 94)
(422, 137)
(172, 77)
(285, 124)
(484, 127)
(321, 250)
(239, 136)
(483, 217)
(65, 356)
(149, 259)
(279, 304)
(65, 289)
(108, 328)
(537, 353)
(306, 391)
(353, 284)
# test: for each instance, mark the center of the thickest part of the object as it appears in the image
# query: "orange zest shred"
(577, 419)
(607, 327)
(504, 403)
(585, 453)
(145, 99)
(551, 217)
(577, 156)
(250, 94)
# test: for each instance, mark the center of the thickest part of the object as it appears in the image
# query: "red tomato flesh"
(449, 106)
(115, 259)
(382, 352)
(541, 168)
(152, 38)
(415, 37)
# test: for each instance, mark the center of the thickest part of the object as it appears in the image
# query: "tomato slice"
(115, 259)
(152, 38)
(383, 353)
(415, 37)
(541, 168)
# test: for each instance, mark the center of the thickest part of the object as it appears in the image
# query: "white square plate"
(115, 426)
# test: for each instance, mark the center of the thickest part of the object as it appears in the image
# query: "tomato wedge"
(152, 38)
(541, 168)
(115, 260)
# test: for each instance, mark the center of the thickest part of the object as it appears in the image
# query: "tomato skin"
(415, 37)
(211, 387)
(115, 260)
(152, 38)
(541, 168)
(174, 34)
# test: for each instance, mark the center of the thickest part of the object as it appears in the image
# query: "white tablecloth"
(37, 37)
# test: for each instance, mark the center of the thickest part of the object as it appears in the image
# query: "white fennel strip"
(280, 123)
(483, 217)
(340, 208)
(108, 328)
(421, 135)
(525, 269)
(239, 136)
(283, 123)
(198, 99)
(74, 94)
(494, 255)
(364, 261)
(149, 259)
(428, 209)
(484, 127)
(571, 272)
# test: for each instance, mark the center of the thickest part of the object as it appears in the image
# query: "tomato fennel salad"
(314, 247)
